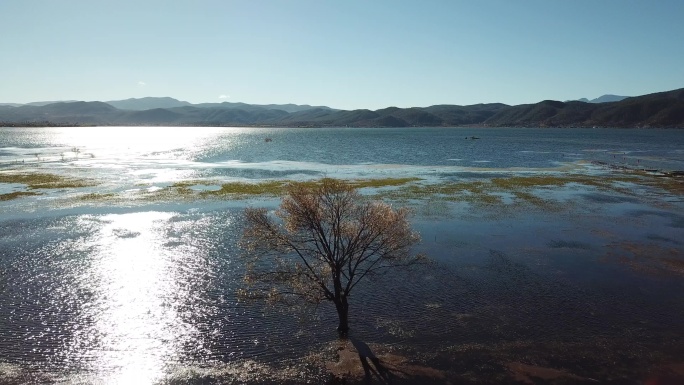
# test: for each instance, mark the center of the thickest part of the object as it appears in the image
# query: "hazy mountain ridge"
(148, 103)
(662, 109)
(607, 98)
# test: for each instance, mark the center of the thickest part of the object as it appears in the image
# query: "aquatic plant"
(16, 194)
(526, 189)
(97, 196)
(280, 187)
(242, 188)
(44, 181)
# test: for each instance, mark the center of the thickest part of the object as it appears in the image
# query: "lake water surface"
(144, 291)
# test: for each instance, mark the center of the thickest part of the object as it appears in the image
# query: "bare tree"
(323, 240)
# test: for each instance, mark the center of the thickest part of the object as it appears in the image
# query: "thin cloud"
(142, 83)
(224, 96)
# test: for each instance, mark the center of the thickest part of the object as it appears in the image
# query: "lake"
(550, 248)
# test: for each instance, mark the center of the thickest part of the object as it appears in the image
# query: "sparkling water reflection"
(119, 297)
(135, 294)
(136, 322)
(129, 156)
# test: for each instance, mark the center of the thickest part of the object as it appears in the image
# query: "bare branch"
(326, 240)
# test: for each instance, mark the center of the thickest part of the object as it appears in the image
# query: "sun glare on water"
(136, 138)
(131, 155)
(136, 328)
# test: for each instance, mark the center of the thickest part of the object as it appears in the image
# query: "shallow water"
(130, 155)
(131, 293)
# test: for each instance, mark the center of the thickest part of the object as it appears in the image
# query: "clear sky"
(344, 54)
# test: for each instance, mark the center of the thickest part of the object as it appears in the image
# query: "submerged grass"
(384, 182)
(45, 181)
(241, 190)
(277, 188)
(16, 194)
(536, 181)
(522, 188)
(524, 191)
(673, 185)
(527, 197)
(97, 196)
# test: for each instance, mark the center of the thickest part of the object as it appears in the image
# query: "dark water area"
(143, 293)
(138, 291)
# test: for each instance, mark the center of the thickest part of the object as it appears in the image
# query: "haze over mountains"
(149, 103)
(663, 109)
(603, 99)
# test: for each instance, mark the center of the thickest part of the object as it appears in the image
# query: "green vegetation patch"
(239, 190)
(97, 196)
(16, 194)
(242, 188)
(489, 192)
(673, 185)
(447, 190)
(527, 197)
(45, 181)
(525, 190)
(278, 188)
(535, 181)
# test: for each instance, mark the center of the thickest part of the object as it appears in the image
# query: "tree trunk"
(343, 313)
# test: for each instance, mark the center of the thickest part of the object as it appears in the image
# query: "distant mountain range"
(603, 99)
(663, 109)
(37, 103)
(149, 103)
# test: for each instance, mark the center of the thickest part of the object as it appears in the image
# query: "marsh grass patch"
(187, 190)
(609, 198)
(278, 188)
(435, 209)
(492, 192)
(384, 182)
(273, 188)
(500, 193)
(17, 194)
(670, 183)
(35, 181)
(97, 197)
(527, 197)
(537, 190)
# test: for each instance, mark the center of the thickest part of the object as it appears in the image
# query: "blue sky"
(345, 54)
